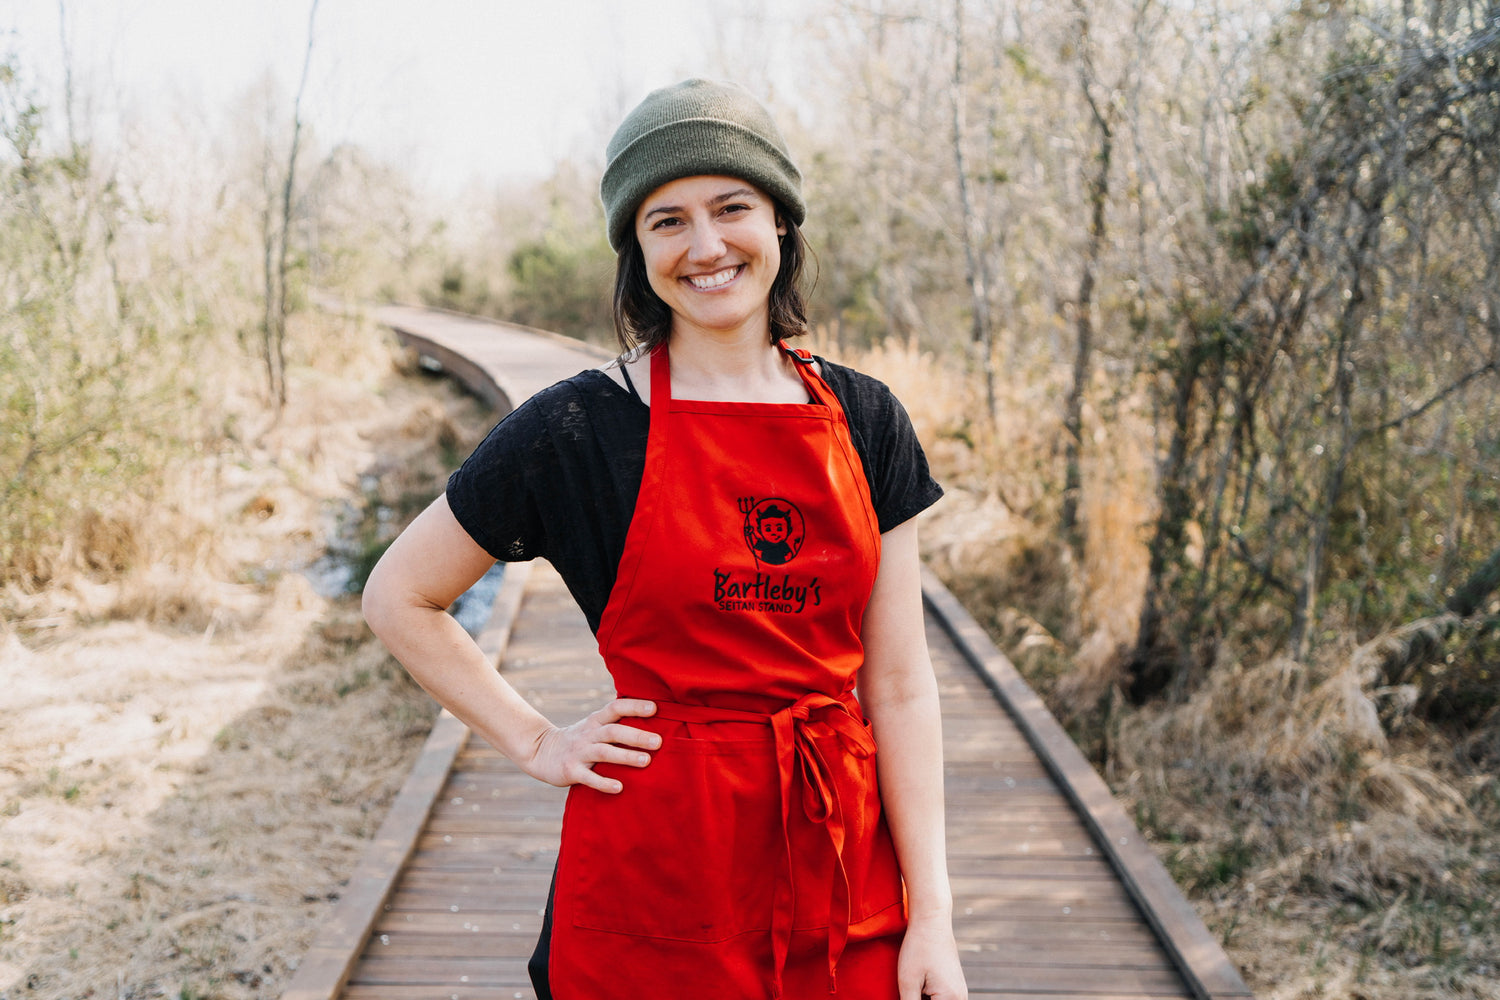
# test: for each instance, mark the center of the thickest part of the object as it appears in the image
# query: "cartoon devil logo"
(774, 529)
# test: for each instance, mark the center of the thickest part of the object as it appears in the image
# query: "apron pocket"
(691, 850)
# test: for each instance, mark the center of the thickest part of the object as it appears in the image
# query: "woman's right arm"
(406, 600)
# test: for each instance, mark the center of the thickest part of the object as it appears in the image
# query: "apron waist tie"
(798, 756)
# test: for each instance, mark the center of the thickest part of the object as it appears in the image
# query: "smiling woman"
(759, 813)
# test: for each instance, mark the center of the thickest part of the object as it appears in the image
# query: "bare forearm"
(441, 657)
(908, 731)
(432, 562)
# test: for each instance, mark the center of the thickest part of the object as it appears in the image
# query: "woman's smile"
(715, 281)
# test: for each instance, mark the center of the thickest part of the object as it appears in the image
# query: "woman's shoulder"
(901, 484)
(590, 396)
(575, 410)
(592, 385)
(862, 396)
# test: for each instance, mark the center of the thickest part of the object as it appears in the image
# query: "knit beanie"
(695, 127)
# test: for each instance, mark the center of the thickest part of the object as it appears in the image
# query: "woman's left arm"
(898, 690)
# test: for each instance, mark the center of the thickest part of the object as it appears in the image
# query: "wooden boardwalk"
(1056, 895)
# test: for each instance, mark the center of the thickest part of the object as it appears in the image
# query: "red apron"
(751, 858)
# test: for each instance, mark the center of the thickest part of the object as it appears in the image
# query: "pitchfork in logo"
(774, 529)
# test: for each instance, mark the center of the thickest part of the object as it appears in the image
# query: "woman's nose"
(707, 245)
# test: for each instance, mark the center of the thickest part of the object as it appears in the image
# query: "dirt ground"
(194, 754)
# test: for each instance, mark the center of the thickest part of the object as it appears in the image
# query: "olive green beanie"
(695, 127)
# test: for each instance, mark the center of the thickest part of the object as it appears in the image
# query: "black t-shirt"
(558, 477)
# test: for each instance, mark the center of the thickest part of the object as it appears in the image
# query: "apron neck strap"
(816, 387)
(661, 376)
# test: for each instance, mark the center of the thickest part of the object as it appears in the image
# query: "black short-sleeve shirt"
(558, 477)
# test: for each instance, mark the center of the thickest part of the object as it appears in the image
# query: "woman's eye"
(666, 222)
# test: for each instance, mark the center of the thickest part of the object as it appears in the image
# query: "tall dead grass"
(195, 744)
(1330, 839)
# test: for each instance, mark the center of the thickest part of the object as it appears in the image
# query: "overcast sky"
(452, 90)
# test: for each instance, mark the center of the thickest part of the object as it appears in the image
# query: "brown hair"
(642, 319)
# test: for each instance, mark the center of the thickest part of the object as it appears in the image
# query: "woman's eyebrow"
(716, 200)
(727, 195)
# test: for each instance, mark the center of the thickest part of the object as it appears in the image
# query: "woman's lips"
(718, 279)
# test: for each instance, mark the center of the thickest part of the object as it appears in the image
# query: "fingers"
(622, 708)
(582, 770)
(568, 755)
(627, 736)
(589, 778)
(608, 753)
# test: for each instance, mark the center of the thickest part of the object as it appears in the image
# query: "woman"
(736, 522)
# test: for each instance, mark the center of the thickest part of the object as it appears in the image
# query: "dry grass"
(1333, 843)
(196, 744)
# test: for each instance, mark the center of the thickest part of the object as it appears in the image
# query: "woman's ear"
(780, 225)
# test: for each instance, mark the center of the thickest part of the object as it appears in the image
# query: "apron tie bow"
(796, 728)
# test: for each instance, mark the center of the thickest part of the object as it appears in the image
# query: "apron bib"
(751, 858)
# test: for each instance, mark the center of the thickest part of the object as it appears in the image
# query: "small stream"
(339, 571)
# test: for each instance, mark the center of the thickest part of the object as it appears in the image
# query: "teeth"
(724, 277)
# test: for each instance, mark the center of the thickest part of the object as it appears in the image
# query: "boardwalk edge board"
(505, 324)
(478, 379)
(450, 362)
(1198, 956)
(325, 969)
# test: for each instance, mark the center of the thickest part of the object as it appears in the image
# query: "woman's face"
(711, 249)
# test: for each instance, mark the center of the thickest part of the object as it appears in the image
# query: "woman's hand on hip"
(566, 755)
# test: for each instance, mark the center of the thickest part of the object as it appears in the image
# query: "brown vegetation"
(1334, 836)
(195, 740)
(198, 743)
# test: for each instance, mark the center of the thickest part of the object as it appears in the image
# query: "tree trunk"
(1150, 667)
(277, 243)
(982, 335)
(1098, 188)
(1304, 613)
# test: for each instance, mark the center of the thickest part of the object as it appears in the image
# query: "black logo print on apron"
(774, 530)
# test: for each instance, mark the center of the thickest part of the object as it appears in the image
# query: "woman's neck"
(742, 367)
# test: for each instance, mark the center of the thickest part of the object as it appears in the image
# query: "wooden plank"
(1074, 931)
(1013, 820)
(456, 892)
(454, 924)
(518, 939)
(482, 971)
(1059, 931)
(326, 967)
(1001, 866)
(1202, 961)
